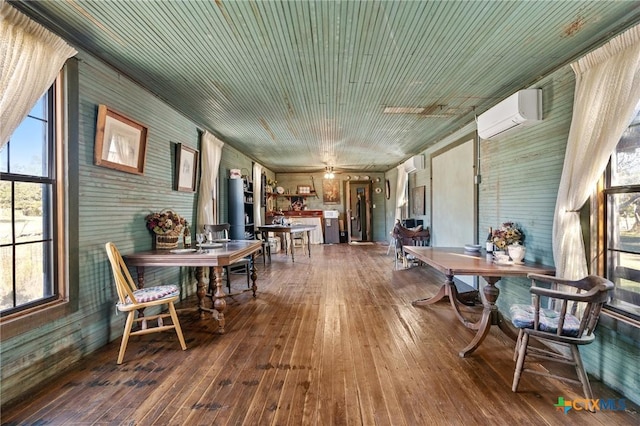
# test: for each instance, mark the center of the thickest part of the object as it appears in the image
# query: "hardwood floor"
(330, 340)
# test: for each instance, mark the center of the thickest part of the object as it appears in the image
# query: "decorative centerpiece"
(271, 184)
(166, 227)
(507, 236)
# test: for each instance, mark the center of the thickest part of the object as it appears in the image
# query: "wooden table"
(456, 261)
(229, 253)
(288, 229)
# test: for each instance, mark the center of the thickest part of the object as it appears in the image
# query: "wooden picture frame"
(418, 198)
(121, 143)
(186, 168)
(304, 189)
(331, 191)
(297, 204)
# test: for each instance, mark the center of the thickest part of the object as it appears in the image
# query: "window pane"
(33, 282)
(40, 108)
(28, 150)
(4, 158)
(6, 278)
(624, 221)
(624, 270)
(625, 162)
(5, 212)
(30, 199)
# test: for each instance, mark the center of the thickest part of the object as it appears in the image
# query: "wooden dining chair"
(567, 322)
(131, 298)
(242, 266)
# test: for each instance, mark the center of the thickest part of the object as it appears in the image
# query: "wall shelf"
(274, 194)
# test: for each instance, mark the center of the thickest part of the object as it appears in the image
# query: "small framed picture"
(186, 168)
(121, 143)
(304, 190)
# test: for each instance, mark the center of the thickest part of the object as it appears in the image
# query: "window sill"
(621, 324)
(22, 322)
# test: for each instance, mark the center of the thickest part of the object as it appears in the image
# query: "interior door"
(359, 211)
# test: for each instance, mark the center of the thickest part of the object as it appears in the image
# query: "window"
(29, 202)
(622, 207)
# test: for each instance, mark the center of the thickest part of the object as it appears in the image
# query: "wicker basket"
(166, 241)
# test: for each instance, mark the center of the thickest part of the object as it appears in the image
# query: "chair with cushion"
(561, 319)
(131, 299)
(243, 266)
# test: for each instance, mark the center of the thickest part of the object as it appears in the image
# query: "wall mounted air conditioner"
(520, 109)
(414, 163)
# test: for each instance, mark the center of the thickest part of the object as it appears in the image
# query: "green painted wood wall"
(112, 207)
(520, 173)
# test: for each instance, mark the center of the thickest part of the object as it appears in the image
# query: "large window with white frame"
(30, 206)
(622, 222)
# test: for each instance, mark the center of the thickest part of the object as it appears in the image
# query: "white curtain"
(210, 153)
(30, 59)
(401, 191)
(257, 194)
(606, 94)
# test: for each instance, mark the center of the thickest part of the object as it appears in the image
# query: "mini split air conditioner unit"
(520, 109)
(414, 163)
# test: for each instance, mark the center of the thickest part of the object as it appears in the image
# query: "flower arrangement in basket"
(507, 234)
(166, 227)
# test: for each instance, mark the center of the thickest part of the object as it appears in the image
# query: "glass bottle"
(490, 241)
(186, 237)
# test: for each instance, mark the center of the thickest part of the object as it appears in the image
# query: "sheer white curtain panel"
(211, 153)
(606, 94)
(257, 194)
(30, 59)
(401, 191)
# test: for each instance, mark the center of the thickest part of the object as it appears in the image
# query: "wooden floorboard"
(331, 340)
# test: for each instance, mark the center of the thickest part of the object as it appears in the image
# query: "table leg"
(292, 247)
(140, 271)
(200, 292)
(219, 304)
(490, 315)
(309, 243)
(449, 290)
(254, 275)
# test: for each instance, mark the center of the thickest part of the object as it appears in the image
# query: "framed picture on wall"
(417, 200)
(121, 143)
(331, 191)
(186, 168)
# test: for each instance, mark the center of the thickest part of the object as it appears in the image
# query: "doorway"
(359, 211)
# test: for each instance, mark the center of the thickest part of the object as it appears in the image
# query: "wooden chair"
(568, 322)
(299, 239)
(218, 232)
(408, 237)
(131, 299)
(265, 251)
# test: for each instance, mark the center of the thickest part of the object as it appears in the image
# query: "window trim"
(66, 207)
(599, 227)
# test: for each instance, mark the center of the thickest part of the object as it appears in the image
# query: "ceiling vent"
(518, 110)
(414, 163)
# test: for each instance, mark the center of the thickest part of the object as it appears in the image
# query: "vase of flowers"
(506, 235)
(271, 185)
(166, 227)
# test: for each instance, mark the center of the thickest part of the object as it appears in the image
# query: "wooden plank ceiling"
(299, 85)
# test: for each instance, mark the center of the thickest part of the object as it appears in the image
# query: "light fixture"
(328, 173)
